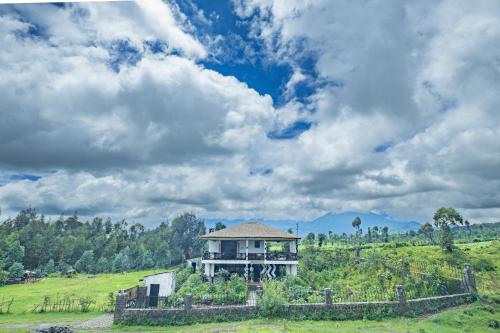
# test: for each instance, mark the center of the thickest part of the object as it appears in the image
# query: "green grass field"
(95, 286)
(469, 318)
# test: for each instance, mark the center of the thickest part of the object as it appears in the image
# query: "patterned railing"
(277, 256)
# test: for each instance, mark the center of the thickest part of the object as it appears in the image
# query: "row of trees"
(447, 225)
(28, 241)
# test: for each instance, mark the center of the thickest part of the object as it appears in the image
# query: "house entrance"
(154, 291)
(257, 269)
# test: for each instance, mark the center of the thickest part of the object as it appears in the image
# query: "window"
(257, 244)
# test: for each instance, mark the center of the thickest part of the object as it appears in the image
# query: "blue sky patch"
(382, 147)
(290, 132)
(33, 178)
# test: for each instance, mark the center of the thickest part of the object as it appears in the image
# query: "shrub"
(273, 301)
(16, 271)
(3, 277)
(483, 265)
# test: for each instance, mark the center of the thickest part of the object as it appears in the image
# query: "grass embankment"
(98, 287)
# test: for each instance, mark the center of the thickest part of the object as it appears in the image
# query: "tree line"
(447, 226)
(29, 242)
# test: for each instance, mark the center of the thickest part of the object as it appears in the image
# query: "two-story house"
(253, 250)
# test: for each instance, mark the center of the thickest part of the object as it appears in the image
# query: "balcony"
(275, 256)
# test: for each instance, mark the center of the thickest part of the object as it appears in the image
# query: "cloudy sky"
(282, 109)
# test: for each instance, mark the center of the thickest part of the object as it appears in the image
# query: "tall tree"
(186, 231)
(321, 239)
(443, 219)
(219, 226)
(426, 229)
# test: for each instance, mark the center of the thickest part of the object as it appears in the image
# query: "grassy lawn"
(95, 286)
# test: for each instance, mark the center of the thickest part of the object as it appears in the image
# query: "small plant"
(111, 301)
(273, 301)
(85, 303)
(495, 324)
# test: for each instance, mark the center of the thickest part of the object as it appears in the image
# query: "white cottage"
(253, 250)
(159, 285)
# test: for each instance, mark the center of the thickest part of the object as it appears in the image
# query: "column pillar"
(470, 280)
(328, 296)
(120, 305)
(188, 302)
(246, 250)
(401, 297)
(142, 295)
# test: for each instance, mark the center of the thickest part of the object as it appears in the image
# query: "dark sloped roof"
(250, 230)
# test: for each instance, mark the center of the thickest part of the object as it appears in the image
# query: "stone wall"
(322, 311)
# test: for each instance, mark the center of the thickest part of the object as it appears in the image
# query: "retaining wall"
(323, 311)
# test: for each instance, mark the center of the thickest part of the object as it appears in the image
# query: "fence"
(329, 306)
(71, 303)
(6, 304)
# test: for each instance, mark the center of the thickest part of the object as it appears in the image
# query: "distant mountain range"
(336, 222)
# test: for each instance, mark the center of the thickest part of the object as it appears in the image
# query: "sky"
(250, 108)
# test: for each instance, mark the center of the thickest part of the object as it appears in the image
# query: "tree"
(16, 271)
(426, 230)
(86, 262)
(102, 265)
(310, 237)
(3, 277)
(443, 218)
(385, 234)
(356, 223)
(219, 226)
(369, 235)
(15, 253)
(185, 235)
(50, 267)
(321, 239)
(467, 224)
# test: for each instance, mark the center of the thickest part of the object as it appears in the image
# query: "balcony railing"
(277, 256)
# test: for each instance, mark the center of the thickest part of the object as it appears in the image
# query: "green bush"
(232, 291)
(273, 301)
(483, 265)
(3, 277)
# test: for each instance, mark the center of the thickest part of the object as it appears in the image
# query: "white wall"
(213, 246)
(165, 280)
(251, 246)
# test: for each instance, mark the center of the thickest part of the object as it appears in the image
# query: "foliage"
(43, 246)
(86, 262)
(3, 277)
(273, 301)
(230, 291)
(443, 218)
(16, 271)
